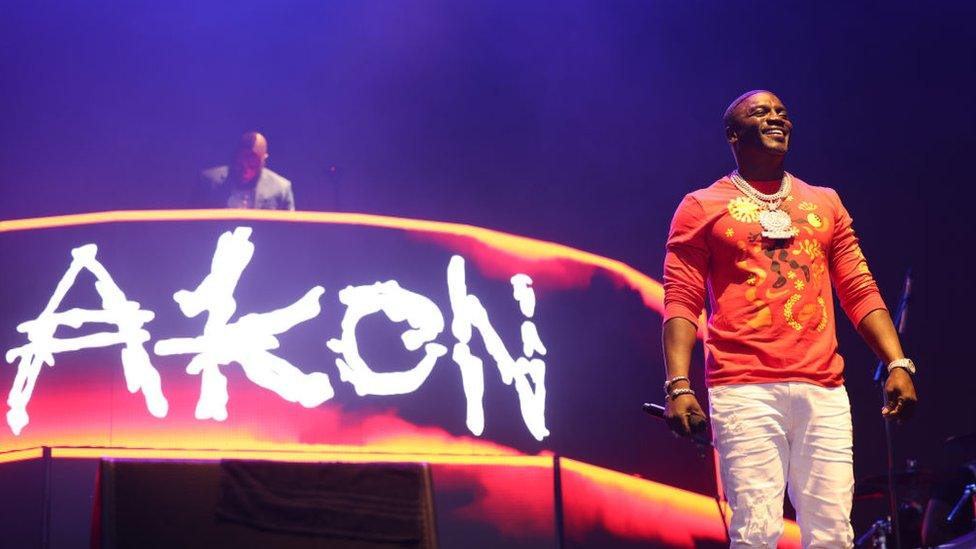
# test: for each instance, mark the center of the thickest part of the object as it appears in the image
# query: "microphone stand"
(967, 493)
(880, 374)
(334, 174)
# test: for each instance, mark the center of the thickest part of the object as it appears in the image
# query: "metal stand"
(704, 444)
(880, 374)
(968, 493)
(877, 535)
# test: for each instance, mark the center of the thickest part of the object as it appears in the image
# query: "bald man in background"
(246, 182)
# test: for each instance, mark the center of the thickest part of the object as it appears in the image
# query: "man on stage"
(769, 247)
(246, 182)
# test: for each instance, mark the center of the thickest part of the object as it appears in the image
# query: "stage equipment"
(702, 439)
(880, 374)
(968, 496)
(318, 337)
(235, 503)
(699, 433)
(913, 486)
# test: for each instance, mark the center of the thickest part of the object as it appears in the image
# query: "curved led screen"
(290, 331)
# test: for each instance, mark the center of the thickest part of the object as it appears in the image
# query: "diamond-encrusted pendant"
(776, 224)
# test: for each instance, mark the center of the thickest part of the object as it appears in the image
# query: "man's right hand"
(685, 416)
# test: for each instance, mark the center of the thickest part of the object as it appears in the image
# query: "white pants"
(772, 435)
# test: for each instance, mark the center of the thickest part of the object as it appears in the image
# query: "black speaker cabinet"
(167, 504)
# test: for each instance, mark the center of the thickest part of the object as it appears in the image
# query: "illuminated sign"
(214, 334)
(222, 331)
(250, 339)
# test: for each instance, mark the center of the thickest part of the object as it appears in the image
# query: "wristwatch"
(905, 363)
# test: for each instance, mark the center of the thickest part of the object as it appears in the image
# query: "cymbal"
(902, 477)
(877, 485)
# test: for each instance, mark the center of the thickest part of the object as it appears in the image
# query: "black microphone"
(698, 424)
(900, 321)
(655, 410)
(906, 297)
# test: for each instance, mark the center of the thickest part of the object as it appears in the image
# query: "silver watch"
(905, 363)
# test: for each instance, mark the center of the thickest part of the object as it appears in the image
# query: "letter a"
(116, 309)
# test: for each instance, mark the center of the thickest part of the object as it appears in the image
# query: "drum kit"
(926, 517)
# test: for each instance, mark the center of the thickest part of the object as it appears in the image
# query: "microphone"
(900, 321)
(905, 298)
(698, 424)
(655, 410)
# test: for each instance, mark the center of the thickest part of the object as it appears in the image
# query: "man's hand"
(901, 397)
(878, 331)
(684, 416)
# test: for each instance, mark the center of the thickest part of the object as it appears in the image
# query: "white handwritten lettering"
(247, 341)
(527, 373)
(116, 309)
(426, 322)
(250, 339)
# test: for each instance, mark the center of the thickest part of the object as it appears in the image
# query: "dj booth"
(154, 359)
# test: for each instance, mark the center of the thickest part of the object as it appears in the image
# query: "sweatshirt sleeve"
(686, 262)
(849, 272)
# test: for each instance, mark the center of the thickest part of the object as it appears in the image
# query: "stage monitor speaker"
(239, 504)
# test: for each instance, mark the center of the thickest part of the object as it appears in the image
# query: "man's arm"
(685, 273)
(683, 414)
(861, 300)
(879, 333)
(288, 199)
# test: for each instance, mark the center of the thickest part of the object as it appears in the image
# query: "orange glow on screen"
(263, 426)
(520, 247)
(621, 504)
(21, 455)
(594, 498)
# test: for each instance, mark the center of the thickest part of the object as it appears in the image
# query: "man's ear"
(730, 135)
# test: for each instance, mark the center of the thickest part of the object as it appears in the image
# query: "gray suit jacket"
(272, 192)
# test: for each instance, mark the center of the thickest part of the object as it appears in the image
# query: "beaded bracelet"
(672, 381)
(678, 392)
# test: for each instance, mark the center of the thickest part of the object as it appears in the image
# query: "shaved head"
(249, 157)
(252, 141)
(728, 117)
(758, 128)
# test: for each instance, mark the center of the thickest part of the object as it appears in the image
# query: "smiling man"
(770, 248)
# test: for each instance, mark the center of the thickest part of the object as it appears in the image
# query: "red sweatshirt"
(772, 313)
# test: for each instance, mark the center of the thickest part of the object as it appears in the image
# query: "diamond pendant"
(776, 224)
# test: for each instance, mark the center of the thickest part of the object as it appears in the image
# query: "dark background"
(577, 122)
